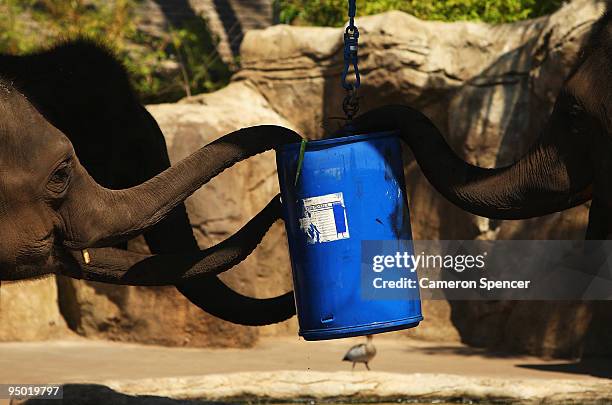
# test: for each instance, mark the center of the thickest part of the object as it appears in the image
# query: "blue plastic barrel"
(350, 189)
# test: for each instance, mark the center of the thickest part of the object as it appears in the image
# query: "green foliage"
(334, 12)
(202, 69)
(26, 25)
(11, 26)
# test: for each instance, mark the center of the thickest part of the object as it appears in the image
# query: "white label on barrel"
(323, 218)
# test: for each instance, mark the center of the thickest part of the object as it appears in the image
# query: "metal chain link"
(350, 104)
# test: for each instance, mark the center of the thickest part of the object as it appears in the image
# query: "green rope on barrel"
(300, 160)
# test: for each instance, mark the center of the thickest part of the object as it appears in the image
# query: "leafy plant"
(202, 70)
(26, 25)
(333, 12)
(11, 26)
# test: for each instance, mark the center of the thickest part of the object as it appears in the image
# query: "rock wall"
(29, 311)
(228, 20)
(489, 88)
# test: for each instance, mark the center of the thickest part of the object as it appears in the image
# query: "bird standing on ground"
(361, 353)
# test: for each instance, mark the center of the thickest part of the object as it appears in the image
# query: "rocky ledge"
(339, 387)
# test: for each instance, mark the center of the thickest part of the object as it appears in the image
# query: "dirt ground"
(95, 361)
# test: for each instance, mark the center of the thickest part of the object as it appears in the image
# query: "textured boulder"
(29, 311)
(328, 387)
(379, 387)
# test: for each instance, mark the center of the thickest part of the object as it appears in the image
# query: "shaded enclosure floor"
(95, 361)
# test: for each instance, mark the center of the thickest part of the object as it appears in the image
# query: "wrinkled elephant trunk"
(554, 175)
(98, 217)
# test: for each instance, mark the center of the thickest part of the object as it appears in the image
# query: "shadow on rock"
(86, 394)
(468, 351)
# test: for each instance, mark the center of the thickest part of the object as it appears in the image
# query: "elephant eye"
(59, 180)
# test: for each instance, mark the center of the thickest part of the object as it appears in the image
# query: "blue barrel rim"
(341, 140)
(360, 330)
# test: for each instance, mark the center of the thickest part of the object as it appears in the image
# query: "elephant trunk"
(554, 175)
(117, 266)
(222, 302)
(98, 217)
(192, 272)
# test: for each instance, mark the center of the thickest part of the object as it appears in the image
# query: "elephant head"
(54, 218)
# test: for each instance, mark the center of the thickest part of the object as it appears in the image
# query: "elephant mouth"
(38, 259)
(35, 266)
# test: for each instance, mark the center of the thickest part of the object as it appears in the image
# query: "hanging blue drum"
(350, 190)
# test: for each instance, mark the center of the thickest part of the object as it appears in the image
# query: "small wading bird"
(361, 353)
